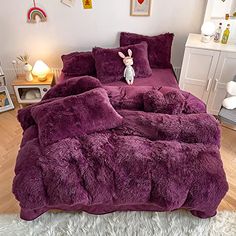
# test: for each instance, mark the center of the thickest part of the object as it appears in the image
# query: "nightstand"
(29, 92)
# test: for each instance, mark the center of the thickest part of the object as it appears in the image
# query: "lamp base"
(206, 38)
(42, 79)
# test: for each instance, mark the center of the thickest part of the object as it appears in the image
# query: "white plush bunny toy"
(230, 102)
(129, 73)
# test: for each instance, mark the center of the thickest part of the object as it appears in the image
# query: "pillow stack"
(78, 64)
(148, 52)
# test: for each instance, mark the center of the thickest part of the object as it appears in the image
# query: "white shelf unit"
(19, 91)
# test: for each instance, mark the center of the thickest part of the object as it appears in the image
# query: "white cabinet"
(198, 71)
(207, 67)
(225, 72)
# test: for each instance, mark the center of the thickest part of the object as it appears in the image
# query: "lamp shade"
(40, 69)
(208, 28)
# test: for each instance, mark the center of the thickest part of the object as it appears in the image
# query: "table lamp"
(208, 30)
(41, 70)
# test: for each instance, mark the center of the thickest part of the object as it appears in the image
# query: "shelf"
(194, 40)
(21, 81)
(223, 18)
(24, 101)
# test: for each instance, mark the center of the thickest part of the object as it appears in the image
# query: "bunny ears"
(123, 56)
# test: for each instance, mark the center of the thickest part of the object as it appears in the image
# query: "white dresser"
(206, 69)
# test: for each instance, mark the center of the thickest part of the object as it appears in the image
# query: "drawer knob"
(45, 90)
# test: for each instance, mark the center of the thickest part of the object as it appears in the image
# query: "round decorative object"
(42, 79)
(208, 28)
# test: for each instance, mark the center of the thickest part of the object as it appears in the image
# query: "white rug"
(178, 223)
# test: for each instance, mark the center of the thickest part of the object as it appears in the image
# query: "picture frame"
(140, 7)
(69, 3)
(6, 103)
(87, 4)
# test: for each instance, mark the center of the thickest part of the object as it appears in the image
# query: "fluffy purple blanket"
(78, 153)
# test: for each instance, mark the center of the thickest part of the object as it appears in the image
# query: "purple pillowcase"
(78, 64)
(110, 66)
(75, 116)
(159, 47)
(73, 86)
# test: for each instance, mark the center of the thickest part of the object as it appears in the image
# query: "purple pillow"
(75, 116)
(110, 66)
(170, 103)
(78, 64)
(159, 47)
(73, 86)
(70, 87)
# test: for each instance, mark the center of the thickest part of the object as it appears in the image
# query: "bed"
(127, 159)
(98, 145)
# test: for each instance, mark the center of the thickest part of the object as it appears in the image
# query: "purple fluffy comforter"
(93, 148)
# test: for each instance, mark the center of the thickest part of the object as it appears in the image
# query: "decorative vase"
(28, 68)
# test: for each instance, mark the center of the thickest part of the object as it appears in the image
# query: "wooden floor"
(10, 137)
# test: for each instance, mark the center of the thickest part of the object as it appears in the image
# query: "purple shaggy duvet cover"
(88, 147)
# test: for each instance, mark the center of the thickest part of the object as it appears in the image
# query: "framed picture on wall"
(6, 103)
(87, 4)
(140, 7)
(69, 3)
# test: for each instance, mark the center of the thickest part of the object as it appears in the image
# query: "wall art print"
(36, 12)
(140, 7)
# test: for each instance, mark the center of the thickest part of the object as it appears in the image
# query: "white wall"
(70, 29)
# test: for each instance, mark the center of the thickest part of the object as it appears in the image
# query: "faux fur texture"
(192, 103)
(192, 128)
(126, 97)
(110, 66)
(78, 64)
(177, 223)
(170, 103)
(152, 162)
(75, 116)
(73, 86)
(159, 47)
(69, 87)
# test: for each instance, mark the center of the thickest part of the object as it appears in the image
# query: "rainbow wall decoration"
(35, 12)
